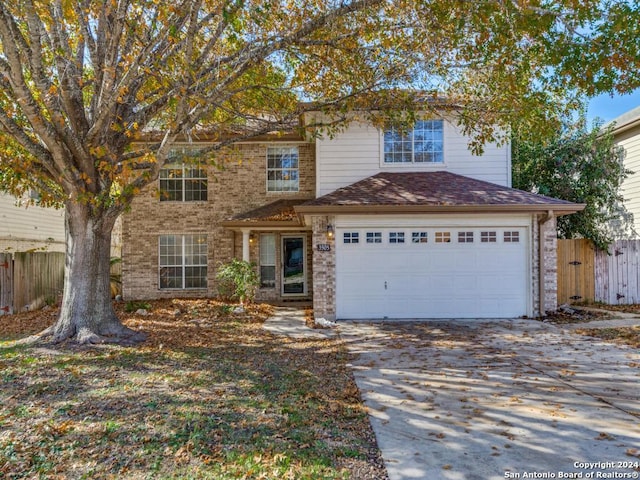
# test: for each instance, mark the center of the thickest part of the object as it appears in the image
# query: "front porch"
(275, 240)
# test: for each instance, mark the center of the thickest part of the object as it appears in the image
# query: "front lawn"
(211, 394)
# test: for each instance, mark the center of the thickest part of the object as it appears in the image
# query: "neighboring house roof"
(625, 121)
(432, 192)
(280, 213)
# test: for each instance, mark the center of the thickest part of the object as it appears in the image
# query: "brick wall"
(547, 233)
(237, 186)
(324, 270)
(550, 266)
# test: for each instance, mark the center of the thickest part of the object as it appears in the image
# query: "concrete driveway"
(497, 399)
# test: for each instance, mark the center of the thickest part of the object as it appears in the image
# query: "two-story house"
(367, 223)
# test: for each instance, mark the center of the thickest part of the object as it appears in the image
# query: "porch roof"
(278, 214)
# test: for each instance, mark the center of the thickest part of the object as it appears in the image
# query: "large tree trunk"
(87, 314)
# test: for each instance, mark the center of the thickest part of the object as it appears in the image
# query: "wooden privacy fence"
(587, 274)
(30, 280)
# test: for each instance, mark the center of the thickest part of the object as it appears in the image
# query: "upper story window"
(283, 174)
(184, 179)
(423, 144)
(183, 183)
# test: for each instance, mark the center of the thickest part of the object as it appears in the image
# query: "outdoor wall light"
(329, 230)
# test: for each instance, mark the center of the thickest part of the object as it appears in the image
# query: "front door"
(293, 268)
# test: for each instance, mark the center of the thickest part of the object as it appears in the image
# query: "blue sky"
(607, 107)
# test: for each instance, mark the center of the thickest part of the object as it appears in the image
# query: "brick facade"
(550, 267)
(544, 230)
(236, 185)
(324, 269)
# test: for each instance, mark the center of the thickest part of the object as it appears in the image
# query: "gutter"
(555, 209)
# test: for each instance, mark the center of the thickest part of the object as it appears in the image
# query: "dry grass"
(211, 394)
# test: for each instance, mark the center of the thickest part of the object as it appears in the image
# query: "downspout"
(544, 218)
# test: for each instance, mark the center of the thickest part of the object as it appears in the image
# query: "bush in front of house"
(238, 280)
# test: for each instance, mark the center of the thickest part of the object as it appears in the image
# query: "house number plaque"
(323, 247)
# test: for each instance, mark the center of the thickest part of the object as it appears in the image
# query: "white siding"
(25, 228)
(630, 141)
(356, 154)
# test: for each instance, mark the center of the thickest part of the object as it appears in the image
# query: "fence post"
(6, 284)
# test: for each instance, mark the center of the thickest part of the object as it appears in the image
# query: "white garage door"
(431, 272)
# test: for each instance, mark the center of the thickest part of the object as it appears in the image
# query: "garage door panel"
(352, 285)
(370, 306)
(441, 260)
(433, 280)
(467, 282)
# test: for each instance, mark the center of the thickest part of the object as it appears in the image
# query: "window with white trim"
(488, 237)
(351, 237)
(443, 237)
(422, 144)
(374, 237)
(419, 237)
(183, 183)
(465, 237)
(267, 260)
(183, 261)
(396, 237)
(283, 174)
(511, 237)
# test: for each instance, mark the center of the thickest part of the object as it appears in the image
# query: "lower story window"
(465, 237)
(419, 237)
(267, 260)
(488, 237)
(351, 237)
(396, 237)
(183, 261)
(374, 237)
(511, 237)
(443, 237)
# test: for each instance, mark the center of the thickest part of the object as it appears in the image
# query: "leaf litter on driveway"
(478, 399)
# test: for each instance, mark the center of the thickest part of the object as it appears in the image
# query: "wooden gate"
(617, 273)
(576, 271)
(6, 284)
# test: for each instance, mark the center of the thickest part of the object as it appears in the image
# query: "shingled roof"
(280, 213)
(431, 192)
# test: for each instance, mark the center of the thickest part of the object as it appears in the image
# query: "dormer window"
(422, 144)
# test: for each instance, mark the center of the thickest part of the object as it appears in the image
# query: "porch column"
(245, 244)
